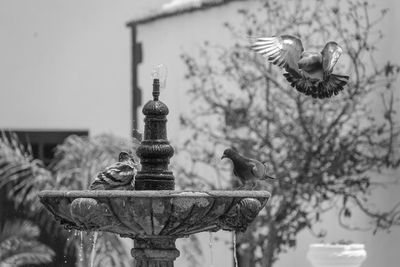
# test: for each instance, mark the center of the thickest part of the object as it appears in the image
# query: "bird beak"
(223, 156)
(270, 177)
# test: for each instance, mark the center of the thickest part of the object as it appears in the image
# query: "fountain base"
(157, 252)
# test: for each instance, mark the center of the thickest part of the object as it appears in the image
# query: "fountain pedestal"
(154, 153)
(157, 252)
(155, 150)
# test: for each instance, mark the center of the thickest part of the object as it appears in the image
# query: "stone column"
(155, 252)
(154, 153)
(155, 150)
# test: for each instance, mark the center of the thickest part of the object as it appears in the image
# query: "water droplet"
(160, 72)
(234, 248)
(81, 247)
(93, 253)
(210, 244)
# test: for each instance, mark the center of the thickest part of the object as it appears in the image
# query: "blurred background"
(75, 74)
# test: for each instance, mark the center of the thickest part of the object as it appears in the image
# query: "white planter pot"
(325, 255)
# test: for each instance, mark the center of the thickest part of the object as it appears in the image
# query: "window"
(43, 143)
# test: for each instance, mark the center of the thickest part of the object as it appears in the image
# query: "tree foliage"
(324, 153)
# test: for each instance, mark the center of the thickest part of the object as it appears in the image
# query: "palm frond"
(18, 245)
(21, 174)
(76, 162)
(29, 252)
(21, 229)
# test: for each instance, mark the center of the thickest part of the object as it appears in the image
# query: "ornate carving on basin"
(154, 214)
(241, 215)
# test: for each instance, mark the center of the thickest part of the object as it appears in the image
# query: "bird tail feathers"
(326, 88)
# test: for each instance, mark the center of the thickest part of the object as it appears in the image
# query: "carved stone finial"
(156, 89)
(155, 150)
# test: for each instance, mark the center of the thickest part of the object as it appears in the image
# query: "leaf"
(18, 245)
(20, 229)
(21, 174)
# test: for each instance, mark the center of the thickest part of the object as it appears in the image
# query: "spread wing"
(330, 55)
(283, 51)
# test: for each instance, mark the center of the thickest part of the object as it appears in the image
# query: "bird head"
(229, 153)
(125, 156)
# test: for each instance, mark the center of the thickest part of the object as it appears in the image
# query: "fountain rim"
(154, 193)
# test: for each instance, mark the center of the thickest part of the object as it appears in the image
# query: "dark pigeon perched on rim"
(308, 71)
(252, 173)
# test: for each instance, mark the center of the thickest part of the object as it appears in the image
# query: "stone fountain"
(154, 215)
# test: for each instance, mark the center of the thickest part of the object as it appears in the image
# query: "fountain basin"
(155, 214)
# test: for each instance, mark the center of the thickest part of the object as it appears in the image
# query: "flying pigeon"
(252, 173)
(118, 176)
(309, 72)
